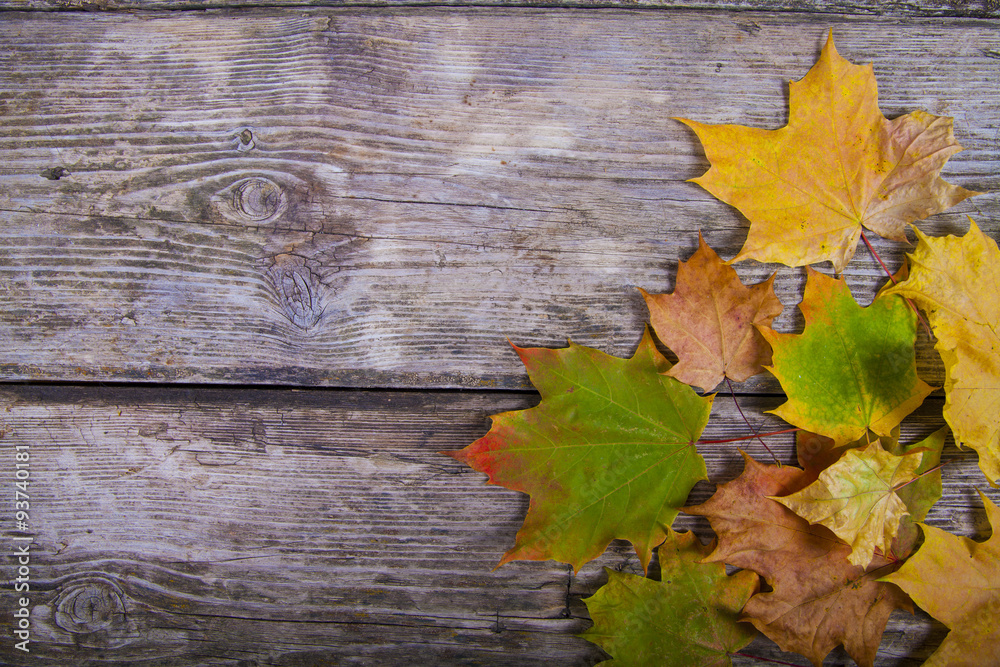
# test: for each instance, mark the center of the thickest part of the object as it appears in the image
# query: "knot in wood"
(298, 290)
(90, 606)
(245, 140)
(257, 199)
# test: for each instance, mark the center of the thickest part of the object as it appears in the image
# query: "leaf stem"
(878, 259)
(926, 472)
(873, 573)
(748, 437)
(892, 278)
(732, 392)
(891, 556)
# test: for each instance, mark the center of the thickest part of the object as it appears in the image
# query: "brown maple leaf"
(839, 165)
(819, 599)
(708, 321)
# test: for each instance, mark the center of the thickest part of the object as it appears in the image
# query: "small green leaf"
(921, 495)
(690, 617)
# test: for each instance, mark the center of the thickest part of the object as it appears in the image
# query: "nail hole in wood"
(245, 140)
(54, 173)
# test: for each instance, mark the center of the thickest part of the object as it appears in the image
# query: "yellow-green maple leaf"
(817, 453)
(957, 581)
(856, 499)
(956, 281)
(839, 165)
(818, 599)
(852, 369)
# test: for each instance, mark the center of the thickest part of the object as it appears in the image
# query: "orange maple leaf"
(709, 321)
(839, 165)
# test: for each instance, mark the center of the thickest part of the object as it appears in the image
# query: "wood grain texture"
(379, 199)
(370, 198)
(253, 527)
(948, 8)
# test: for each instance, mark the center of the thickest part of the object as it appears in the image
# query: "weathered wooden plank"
(273, 527)
(350, 198)
(949, 8)
(194, 526)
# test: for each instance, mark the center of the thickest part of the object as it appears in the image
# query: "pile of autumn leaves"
(610, 451)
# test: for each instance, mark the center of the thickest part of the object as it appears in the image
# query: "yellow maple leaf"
(956, 281)
(955, 580)
(856, 499)
(839, 165)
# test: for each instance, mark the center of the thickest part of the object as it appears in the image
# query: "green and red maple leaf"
(608, 453)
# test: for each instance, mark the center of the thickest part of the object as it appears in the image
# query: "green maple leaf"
(852, 369)
(689, 617)
(608, 453)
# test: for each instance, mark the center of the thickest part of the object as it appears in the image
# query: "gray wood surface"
(224, 527)
(947, 8)
(295, 241)
(381, 199)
